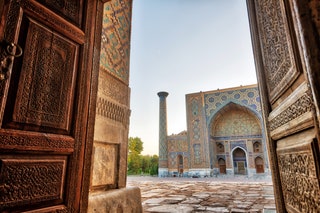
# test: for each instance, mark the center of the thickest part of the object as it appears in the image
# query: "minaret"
(163, 147)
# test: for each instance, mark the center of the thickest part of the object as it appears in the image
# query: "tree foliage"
(140, 164)
(135, 145)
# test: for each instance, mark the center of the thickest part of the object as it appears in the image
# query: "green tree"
(134, 163)
(135, 147)
(145, 163)
(138, 163)
(154, 162)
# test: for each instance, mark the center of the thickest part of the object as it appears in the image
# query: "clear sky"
(182, 47)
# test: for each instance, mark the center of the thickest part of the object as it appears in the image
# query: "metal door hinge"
(8, 53)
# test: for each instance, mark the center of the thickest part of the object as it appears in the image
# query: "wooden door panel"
(32, 180)
(45, 83)
(259, 169)
(293, 114)
(44, 100)
(299, 172)
(69, 9)
(35, 141)
(223, 169)
(280, 62)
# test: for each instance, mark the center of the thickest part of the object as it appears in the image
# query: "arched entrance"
(222, 166)
(239, 161)
(234, 126)
(259, 165)
(180, 165)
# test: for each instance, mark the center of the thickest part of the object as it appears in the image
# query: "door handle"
(10, 51)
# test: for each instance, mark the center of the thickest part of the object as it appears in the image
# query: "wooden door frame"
(266, 108)
(89, 63)
(94, 46)
(308, 48)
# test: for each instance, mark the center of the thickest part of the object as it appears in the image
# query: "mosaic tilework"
(115, 44)
(197, 153)
(163, 149)
(241, 144)
(162, 131)
(196, 131)
(195, 121)
(228, 116)
(178, 145)
(236, 122)
(216, 100)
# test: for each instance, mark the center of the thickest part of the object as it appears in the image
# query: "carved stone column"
(108, 191)
(163, 148)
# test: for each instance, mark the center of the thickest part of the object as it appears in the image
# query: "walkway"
(236, 194)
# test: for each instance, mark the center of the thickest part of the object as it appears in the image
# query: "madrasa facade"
(225, 135)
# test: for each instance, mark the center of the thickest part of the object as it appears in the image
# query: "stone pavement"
(216, 194)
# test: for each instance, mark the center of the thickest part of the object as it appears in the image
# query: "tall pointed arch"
(234, 126)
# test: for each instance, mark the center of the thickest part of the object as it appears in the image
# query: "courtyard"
(214, 194)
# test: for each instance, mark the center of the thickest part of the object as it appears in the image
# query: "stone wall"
(109, 160)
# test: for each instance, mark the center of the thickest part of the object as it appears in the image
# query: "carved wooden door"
(241, 168)
(44, 96)
(259, 169)
(287, 76)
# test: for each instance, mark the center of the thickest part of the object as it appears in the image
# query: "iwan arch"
(225, 135)
(63, 113)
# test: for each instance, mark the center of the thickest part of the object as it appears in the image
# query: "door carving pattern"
(44, 105)
(48, 72)
(36, 180)
(279, 61)
(299, 177)
(288, 104)
(295, 110)
(66, 8)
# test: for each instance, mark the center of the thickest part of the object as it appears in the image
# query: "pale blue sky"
(182, 47)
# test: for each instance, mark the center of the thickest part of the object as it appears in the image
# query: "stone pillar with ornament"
(163, 144)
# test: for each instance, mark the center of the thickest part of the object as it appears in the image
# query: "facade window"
(220, 148)
(257, 147)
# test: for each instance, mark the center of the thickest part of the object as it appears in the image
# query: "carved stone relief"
(109, 87)
(104, 164)
(113, 111)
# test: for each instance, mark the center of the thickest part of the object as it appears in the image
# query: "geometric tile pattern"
(236, 122)
(178, 145)
(196, 132)
(163, 149)
(248, 97)
(115, 43)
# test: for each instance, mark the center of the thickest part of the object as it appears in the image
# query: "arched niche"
(240, 164)
(259, 163)
(222, 166)
(235, 120)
